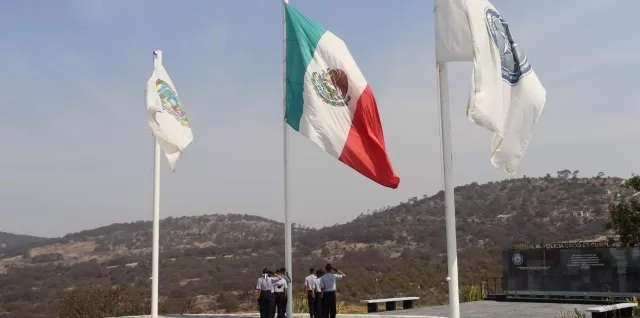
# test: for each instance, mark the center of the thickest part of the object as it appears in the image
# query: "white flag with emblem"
(506, 96)
(167, 118)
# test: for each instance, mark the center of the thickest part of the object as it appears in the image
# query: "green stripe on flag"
(303, 36)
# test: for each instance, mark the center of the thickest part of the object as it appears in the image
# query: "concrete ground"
(467, 310)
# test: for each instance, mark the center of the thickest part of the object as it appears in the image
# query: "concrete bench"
(390, 303)
(622, 310)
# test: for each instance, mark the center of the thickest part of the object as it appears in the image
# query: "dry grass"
(75, 250)
(354, 309)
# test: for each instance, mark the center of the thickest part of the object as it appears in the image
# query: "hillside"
(210, 263)
(9, 242)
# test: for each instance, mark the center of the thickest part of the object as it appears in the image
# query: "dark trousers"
(318, 305)
(329, 304)
(311, 302)
(281, 304)
(266, 303)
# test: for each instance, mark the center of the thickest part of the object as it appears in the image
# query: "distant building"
(580, 213)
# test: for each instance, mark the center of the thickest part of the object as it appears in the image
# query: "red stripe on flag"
(365, 150)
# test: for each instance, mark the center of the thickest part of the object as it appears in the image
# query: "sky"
(77, 150)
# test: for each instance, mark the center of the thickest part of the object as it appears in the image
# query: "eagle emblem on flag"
(332, 86)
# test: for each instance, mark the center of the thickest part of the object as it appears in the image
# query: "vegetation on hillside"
(14, 244)
(104, 301)
(624, 219)
(210, 263)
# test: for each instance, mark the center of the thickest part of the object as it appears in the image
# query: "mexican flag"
(329, 101)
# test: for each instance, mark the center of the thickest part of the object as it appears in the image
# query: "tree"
(624, 218)
(600, 175)
(564, 174)
(574, 175)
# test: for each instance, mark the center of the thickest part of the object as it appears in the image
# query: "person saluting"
(280, 290)
(264, 289)
(328, 287)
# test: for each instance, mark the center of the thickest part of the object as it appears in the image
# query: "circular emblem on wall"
(517, 259)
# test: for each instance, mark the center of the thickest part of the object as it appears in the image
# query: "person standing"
(273, 292)
(280, 290)
(266, 300)
(285, 276)
(283, 273)
(309, 290)
(328, 287)
(318, 293)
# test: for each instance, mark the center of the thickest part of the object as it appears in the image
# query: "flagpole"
(449, 197)
(285, 141)
(157, 55)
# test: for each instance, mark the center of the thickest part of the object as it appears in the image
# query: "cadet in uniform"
(286, 278)
(328, 287)
(283, 272)
(318, 292)
(309, 287)
(273, 293)
(280, 290)
(265, 296)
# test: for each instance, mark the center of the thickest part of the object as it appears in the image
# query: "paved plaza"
(467, 310)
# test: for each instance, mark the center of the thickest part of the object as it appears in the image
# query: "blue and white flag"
(506, 96)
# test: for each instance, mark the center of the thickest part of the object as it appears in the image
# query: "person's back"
(283, 272)
(328, 287)
(280, 288)
(318, 294)
(309, 287)
(317, 282)
(264, 289)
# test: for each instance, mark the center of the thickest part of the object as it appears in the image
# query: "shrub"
(229, 303)
(636, 309)
(46, 258)
(471, 293)
(104, 301)
(301, 305)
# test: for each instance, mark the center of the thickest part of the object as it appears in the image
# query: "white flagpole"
(157, 55)
(285, 140)
(449, 198)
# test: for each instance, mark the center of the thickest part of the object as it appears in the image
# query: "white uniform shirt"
(309, 282)
(328, 281)
(266, 283)
(279, 286)
(316, 284)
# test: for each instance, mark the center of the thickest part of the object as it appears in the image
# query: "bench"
(390, 303)
(622, 310)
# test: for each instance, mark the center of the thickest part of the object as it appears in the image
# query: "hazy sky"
(78, 151)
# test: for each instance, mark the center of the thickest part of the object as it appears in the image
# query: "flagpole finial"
(157, 54)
